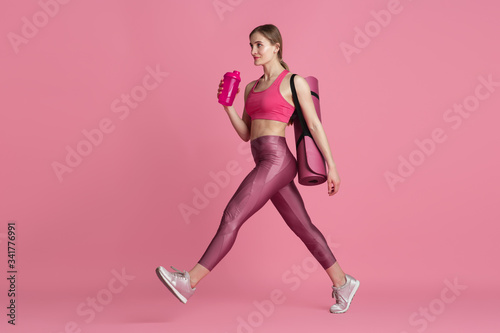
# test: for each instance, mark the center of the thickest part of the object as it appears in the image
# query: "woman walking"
(268, 109)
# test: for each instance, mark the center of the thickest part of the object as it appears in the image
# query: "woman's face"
(261, 49)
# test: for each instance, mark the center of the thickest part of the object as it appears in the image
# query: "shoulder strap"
(298, 110)
(257, 81)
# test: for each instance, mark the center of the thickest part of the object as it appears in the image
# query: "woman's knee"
(230, 222)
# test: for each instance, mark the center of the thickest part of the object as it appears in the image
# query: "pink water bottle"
(229, 88)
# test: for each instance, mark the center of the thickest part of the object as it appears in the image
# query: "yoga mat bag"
(310, 162)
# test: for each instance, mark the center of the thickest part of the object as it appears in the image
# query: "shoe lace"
(178, 273)
(338, 297)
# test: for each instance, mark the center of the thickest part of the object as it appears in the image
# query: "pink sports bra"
(269, 104)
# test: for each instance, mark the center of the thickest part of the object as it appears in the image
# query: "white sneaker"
(179, 283)
(344, 295)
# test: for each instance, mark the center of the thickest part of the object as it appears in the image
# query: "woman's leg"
(197, 273)
(336, 274)
(274, 169)
(258, 186)
(291, 207)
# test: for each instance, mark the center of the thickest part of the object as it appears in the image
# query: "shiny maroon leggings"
(272, 178)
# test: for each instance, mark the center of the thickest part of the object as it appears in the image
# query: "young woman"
(268, 109)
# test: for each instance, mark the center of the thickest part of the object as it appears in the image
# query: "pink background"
(119, 208)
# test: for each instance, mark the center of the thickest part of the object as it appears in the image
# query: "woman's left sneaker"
(344, 295)
(179, 283)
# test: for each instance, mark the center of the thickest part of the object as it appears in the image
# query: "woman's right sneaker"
(179, 283)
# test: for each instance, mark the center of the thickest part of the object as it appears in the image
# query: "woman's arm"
(241, 125)
(317, 131)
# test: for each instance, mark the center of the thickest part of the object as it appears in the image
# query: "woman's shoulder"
(248, 88)
(297, 79)
(301, 85)
(250, 84)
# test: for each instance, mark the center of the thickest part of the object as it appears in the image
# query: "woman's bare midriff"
(261, 127)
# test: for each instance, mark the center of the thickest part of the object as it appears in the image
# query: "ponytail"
(284, 64)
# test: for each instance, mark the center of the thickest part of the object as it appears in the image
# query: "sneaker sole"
(170, 287)
(348, 304)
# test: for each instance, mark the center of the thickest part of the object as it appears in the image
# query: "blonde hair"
(271, 32)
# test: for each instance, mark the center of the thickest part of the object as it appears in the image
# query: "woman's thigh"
(256, 189)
